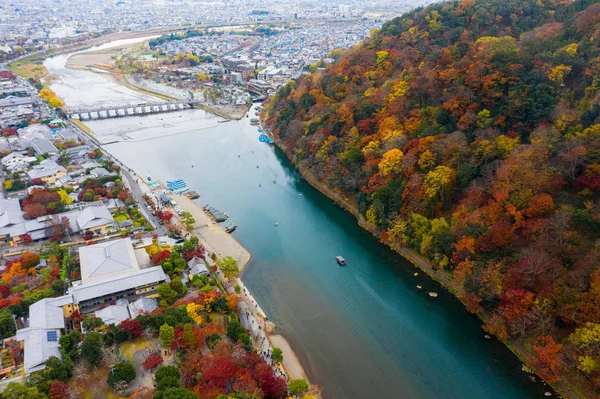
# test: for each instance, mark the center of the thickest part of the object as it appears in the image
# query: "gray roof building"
(43, 146)
(142, 306)
(197, 266)
(114, 314)
(46, 168)
(46, 323)
(107, 259)
(94, 216)
(15, 101)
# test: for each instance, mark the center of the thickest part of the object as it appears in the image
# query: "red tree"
(273, 387)
(26, 238)
(76, 316)
(133, 327)
(58, 390)
(166, 216)
(153, 361)
(159, 257)
(218, 372)
(33, 211)
(4, 291)
(549, 360)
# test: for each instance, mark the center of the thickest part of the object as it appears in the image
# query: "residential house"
(12, 101)
(12, 225)
(17, 158)
(11, 217)
(114, 314)
(197, 266)
(46, 325)
(100, 173)
(110, 275)
(43, 146)
(48, 171)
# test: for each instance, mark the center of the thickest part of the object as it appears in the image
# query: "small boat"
(275, 224)
(192, 166)
(340, 260)
(230, 227)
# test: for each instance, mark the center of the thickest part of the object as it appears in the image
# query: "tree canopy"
(470, 132)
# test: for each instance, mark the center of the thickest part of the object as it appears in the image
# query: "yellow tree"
(46, 94)
(439, 183)
(391, 162)
(193, 310)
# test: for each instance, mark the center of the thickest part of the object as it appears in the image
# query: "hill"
(470, 132)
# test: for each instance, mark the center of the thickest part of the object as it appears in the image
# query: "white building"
(17, 158)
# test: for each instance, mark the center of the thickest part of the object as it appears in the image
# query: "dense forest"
(469, 131)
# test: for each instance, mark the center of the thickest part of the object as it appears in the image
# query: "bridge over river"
(117, 111)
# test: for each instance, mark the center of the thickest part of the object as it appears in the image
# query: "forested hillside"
(470, 131)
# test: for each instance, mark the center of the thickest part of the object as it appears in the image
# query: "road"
(131, 180)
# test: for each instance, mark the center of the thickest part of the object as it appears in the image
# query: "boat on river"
(340, 260)
(230, 227)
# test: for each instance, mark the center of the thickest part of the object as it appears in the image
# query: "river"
(361, 331)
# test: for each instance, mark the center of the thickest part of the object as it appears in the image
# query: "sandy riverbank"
(91, 59)
(291, 363)
(220, 242)
(214, 237)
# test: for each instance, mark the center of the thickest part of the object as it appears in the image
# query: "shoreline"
(214, 237)
(418, 262)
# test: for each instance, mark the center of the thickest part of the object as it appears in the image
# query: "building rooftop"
(40, 344)
(10, 212)
(121, 282)
(46, 168)
(142, 306)
(114, 314)
(46, 320)
(48, 313)
(94, 216)
(107, 259)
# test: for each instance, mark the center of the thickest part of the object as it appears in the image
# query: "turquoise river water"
(361, 331)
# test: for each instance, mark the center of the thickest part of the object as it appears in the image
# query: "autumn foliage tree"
(469, 132)
(549, 358)
(152, 361)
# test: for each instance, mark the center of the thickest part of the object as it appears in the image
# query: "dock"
(230, 228)
(216, 214)
(191, 194)
(177, 186)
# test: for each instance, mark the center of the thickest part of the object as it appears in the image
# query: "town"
(88, 246)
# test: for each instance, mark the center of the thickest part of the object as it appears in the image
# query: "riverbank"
(564, 389)
(216, 240)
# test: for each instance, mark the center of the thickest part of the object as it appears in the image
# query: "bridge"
(117, 111)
